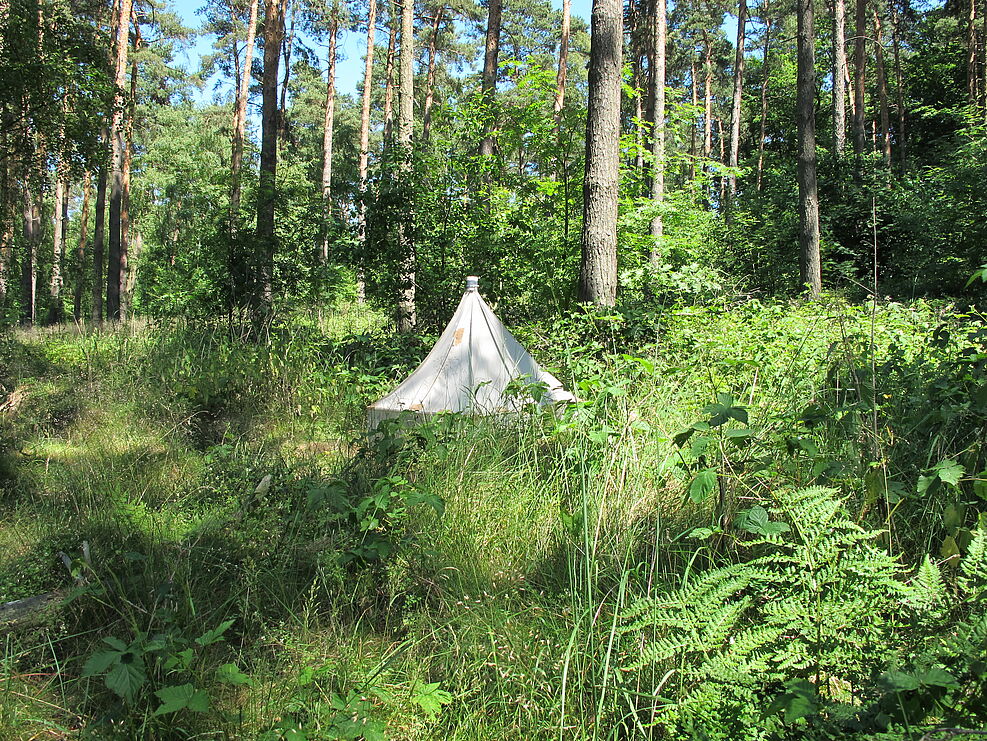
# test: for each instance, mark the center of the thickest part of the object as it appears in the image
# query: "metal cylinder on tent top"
(472, 282)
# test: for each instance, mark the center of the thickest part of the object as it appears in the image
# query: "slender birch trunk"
(765, 70)
(80, 254)
(118, 140)
(859, 75)
(99, 240)
(738, 95)
(368, 76)
(660, 32)
(560, 75)
(882, 89)
(430, 82)
(59, 221)
(810, 262)
(389, 79)
(899, 87)
(407, 314)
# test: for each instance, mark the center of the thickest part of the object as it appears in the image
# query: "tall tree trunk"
(99, 240)
(693, 129)
(274, 11)
(118, 134)
(489, 83)
(721, 140)
(660, 34)
(598, 271)
(286, 48)
(809, 263)
(6, 219)
(972, 66)
(707, 98)
(80, 254)
(389, 78)
(59, 222)
(560, 75)
(240, 119)
(634, 15)
(125, 297)
(765, 68)
(899, 88)
(430, 83)
(839, 65)
(738, 95)
(327, 130)
(859, 78)
(882, 89)
(407, 313)
(368, 76)
(29, 260)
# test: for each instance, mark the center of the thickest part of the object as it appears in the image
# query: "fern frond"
(972, 577)
(926, 591)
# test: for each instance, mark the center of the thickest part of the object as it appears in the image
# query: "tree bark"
(389, 79)
(882, 89)
(598, 271)
(118, 134)
(240, 119)
(693, 129)
(274, 11)
(972, 66)
(6, 221)
(899, 87)
(327, 130)
(810, 264)
(59, 221)
(430, 83)
(99, 238)
(765, 68)
(560, 75)
(859, 78)
(29, 277)
(660, 32)
(407, 314)
(125, 224)
(368, 76)
(489, 83)
(287, 47)
(707, 98)
(839, 88)
(80, 255)
(738, 95)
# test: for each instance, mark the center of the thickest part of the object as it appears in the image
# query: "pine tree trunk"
(707, 99)
(368, 76)
(29, 278)
(738, 96)
(125, 225)
(407, 313)
(765, 69)
(899, 87)
(327, 130)
(839, 65)
(660, 34)
(859, 78)
(274, 11)
(693, 129)
(810, 263)
(882, 89)
(59, 221)
(118, 134)
(560, 75)
(598, 272)
(389, 79)
(972, 67)
(80, 255)
(99, 240)
(286, 49)
(489, 83)
(6, 208)
(240, 119)
(430, 82)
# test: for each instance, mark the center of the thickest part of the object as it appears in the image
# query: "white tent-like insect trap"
(476, 367)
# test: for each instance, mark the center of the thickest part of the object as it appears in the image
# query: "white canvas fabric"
(469, 369)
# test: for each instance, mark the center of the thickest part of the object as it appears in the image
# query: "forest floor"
(244, 563)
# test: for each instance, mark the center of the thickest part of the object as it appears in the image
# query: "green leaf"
(215, 635)
(949, 471)
(126, 677)
(937, 677)
(430, 698)
(181, 697)
(115, 643)
(231, 674)
(899, 681)
(702, 485)
(800, 701)
(99, 662)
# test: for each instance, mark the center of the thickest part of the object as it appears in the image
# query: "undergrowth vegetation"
(758, 521)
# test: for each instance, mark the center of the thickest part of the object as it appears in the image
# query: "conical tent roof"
(469, 370)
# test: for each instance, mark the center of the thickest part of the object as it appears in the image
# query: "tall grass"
(218, 480)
